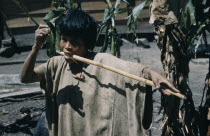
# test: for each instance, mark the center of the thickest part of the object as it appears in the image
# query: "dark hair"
(79, 24)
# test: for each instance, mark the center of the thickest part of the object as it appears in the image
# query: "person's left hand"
(161, 82)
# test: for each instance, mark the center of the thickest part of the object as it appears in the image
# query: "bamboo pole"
(121, 72)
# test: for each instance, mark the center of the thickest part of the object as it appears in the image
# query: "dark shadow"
(133, 87)
(73, 95)
(114, 87)
(22, 125)
(148, 108)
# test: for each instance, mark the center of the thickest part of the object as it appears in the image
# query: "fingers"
(157, 85)
(42, 31)
(163, 85)
(165, 92)
(45, 30)
(42, 26)
(41, 34)
(160, 88)
(171, 87)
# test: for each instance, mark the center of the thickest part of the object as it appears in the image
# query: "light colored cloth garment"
(105, 104)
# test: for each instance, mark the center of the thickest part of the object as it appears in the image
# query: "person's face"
(72, 46)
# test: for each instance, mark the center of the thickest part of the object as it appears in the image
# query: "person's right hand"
(41, 34)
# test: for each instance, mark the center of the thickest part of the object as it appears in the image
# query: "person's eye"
(63, 39)
(74, 43)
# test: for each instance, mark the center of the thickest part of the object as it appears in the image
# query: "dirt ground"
(19, 115)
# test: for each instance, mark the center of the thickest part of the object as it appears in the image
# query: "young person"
(85, 100)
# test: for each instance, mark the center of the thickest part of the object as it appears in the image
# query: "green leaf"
(123, 11)
(57, 40)
(194, 32)
(137, 10)
(126, 1)
(117, 4)
(191, 11)
(131, 23)
(113, 47)
(188, 19)
(106, 15)
(100, 29)
(132, 19)
(106, 42)
(54, 13)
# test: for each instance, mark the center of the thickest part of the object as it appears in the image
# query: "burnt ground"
(19, 114)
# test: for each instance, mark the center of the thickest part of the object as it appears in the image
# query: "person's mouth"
(69, 56)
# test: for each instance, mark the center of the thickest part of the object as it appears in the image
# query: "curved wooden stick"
(148, 82)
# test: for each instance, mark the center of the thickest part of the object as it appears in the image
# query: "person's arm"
(28, 73)
(160, 81)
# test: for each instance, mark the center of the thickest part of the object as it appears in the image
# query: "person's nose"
(68, 45)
